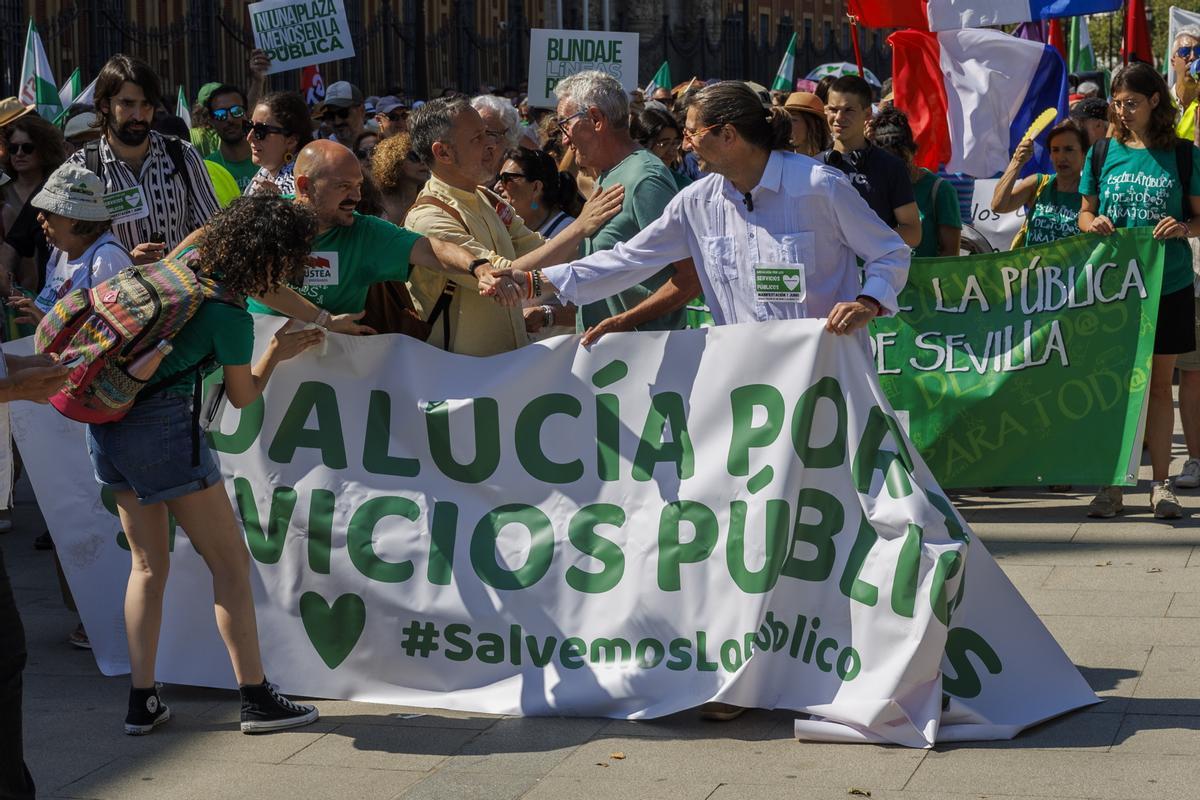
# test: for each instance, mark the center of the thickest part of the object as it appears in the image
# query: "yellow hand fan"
(1043, 119)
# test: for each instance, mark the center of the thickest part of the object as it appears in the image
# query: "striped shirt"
(285, 180)
(173, 213)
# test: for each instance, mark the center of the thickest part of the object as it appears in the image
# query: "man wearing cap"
(159, 183)
(78, 225)
(343, 110)
(80, 129)
(1091, 114)
(391, 114)
(229, 116)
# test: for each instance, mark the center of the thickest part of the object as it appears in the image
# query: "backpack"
(174, 148)
(1183, 167)
(102, 330)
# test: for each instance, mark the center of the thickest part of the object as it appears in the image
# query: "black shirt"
(880, 177)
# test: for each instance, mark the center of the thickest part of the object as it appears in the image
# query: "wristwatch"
(475, 265)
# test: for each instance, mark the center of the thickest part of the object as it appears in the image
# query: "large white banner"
(669, 518)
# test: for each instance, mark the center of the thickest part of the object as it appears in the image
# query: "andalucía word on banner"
(299, 33)
(1029, 367)
(626, 531)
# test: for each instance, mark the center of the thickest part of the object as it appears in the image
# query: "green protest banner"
(1029, 367)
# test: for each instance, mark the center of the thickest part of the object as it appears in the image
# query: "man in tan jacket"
(451, 139)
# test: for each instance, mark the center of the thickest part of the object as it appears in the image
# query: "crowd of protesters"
(479, 224)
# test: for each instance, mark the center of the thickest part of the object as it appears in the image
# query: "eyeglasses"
(261, 130)
(561, 124)
(222, 114)
(25, 148)
(1188, 52)
(365, 153)
(666, 144)
(1126, 105)
(341, 113)
(690, 137)
(509, 177)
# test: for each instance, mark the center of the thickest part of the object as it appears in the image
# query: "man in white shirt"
(774, 234)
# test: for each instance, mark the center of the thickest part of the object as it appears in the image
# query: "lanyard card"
(127, 205)
(779, 283)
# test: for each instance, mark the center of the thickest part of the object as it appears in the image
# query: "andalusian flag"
(37, 82)
(1080, 56)
(785, 78)
(661, 80)
(71, 89)
(182, 109)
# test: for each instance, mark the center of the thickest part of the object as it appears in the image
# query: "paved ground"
(1122, 597)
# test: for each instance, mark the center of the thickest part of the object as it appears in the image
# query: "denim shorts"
(149, 451)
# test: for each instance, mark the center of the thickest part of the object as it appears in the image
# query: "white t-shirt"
(105, 258)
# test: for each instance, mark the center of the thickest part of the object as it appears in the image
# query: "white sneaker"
(1189, 478)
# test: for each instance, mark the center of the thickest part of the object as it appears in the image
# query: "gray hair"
(1088, 89)
(502, 108)
(593, 88)
(433, 122)
(1191, 31)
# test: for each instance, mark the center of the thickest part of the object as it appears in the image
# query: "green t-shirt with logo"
(1055, 213)
(242, 171)
(649, 186)
(1139, 187)
(220, 330)
(348, 259)
(934, 211)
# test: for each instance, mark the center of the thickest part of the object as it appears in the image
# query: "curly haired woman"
(153, 465)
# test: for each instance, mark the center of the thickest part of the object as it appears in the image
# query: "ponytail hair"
(734, 103)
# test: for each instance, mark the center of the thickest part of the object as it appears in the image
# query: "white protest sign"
(555, 54)
(998, 229)
(298, 33)
(625, 531)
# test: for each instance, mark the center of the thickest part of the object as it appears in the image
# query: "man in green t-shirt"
(593, 113)
(229, 117)
(353, 251)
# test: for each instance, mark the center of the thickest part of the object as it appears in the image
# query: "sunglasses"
(341, 113)
(397, 116)
(25, 148)
(222, 114)
(1188, 52)
(364, 154)
(509, 177)
(260, 130)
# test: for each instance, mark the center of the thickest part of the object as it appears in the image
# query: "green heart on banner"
(333, 630)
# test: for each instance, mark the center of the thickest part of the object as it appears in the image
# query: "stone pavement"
(1121, 596)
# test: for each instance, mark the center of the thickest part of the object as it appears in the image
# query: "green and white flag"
(37, 82)
(661, 80)
(785, 78)
(71, 89)
(182, 109)
(1080, 56)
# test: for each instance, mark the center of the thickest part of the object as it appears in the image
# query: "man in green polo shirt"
(593, 113)
(352, 250)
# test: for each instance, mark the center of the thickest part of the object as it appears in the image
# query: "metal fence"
(191, 42)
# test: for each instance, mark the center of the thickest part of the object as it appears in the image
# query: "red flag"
(890, 13)
(921, 93)
(312, 85)
(1136, 46)
(1057, 37)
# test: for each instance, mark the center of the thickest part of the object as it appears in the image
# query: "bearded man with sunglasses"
(229, 117)
(344, 112)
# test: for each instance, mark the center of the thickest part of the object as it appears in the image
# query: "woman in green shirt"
(937, 200)
(1139, 185)
(154, 462)
(1052, 201)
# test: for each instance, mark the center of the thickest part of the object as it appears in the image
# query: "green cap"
(206, 92)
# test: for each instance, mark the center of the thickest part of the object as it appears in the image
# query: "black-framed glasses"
(1188, 52)
(222, 114)
(341, 113)
(509, 177)
(261, 130)
(561, 124)
(364, 153)
(25, 148)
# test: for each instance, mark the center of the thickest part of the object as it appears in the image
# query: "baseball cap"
(1090, 108)
(342, 94)
(206, 92)
(389, 103)
(74, 192)
(805, 101)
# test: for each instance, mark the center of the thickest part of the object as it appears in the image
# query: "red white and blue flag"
(945, 15)
(970, 95)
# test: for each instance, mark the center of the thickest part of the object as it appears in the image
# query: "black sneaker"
(146, 711)
(265, 709)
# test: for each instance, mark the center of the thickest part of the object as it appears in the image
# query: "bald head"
(329, 178)
(321, 157)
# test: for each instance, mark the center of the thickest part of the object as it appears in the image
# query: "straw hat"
(805, 101)
(12, 109)
(73, 192)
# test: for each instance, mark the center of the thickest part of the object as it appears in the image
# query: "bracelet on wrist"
(547, 316)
